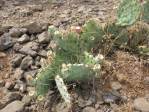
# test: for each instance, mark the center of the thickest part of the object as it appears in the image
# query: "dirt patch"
(131, 72)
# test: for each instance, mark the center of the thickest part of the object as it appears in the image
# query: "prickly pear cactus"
(146, 12)
(63, 89)
(128, 12)
(144, 50)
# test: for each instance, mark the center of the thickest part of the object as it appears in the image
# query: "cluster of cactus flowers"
(72, 57)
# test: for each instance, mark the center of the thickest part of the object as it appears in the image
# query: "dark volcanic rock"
(17, 32)
(30, 49)
(5, 42)
(23, 39)
(16, 60)
(44, 38)
(34, 28)
(112, 97)
(26, 62)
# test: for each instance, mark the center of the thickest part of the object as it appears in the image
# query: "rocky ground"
(124, 82)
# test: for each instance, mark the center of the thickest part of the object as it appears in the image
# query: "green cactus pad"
(128, 12)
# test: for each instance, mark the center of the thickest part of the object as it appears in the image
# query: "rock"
(23, 39)
(146, 80)
(16, 106)
(5, 42)
(13, 96)
(16, 60)
(17, 47)
(7, 75)
(4, 29)
(116, 86)
(141, 104)
(19, 74)
(17, 87)
(23, 88)
(15, 32)
(89, 109)
(26, 100)
(33, 45)
(111, 97)
(45, 26)
(23, 30)
(34, 28)
(2, 83)
(28, 51)
(43, 53)
(9, 98)
(44, 38)
(9, 85)
(26, 62)
(2, 55)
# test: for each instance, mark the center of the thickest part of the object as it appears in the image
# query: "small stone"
(141, 104)
(7, 75)
(28, 51)
(15, 32)
(33, 37)
(34, 28)
(111, 97)
(146, 80)
(5, 42)
(16, 106)
(18, 74)
(23, 39)
(26, 62)
(16, 87)
(116, 86)
(2, 55)
(30, 48)
(2, 83)
(13, 96)
(23, 88)
(9, 85)
(89, 109)
(17, 47)
(23, 30)
(44, 38)
(9, 97)
(4, 29)
(16, 60)
(26, 100)
(43, 53)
